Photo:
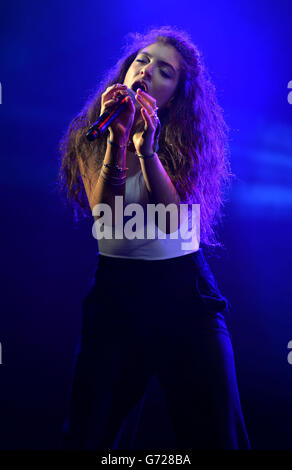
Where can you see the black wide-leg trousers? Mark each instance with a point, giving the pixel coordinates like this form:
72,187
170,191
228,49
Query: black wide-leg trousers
163,317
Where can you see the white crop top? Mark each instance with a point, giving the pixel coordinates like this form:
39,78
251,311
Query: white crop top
147,241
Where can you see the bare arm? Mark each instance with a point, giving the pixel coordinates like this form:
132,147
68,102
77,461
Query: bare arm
98,189
103,185
158,183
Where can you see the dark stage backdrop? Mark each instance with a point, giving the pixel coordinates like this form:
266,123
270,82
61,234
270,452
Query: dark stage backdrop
53,54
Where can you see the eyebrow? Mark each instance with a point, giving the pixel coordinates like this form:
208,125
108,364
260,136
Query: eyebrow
162,62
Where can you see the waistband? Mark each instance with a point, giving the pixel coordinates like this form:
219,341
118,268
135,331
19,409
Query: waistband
197,258
115,261
165,273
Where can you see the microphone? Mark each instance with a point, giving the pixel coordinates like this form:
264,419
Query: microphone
109,115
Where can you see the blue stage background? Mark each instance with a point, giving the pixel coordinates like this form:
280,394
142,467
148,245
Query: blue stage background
52,55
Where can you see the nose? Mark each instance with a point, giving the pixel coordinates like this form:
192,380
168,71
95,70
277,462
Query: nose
147,70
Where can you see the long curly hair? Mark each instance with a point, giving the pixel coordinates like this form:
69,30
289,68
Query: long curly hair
193,143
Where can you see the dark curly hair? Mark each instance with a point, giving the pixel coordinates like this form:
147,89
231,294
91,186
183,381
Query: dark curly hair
193,143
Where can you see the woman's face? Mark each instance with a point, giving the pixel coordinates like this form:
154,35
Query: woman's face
157,67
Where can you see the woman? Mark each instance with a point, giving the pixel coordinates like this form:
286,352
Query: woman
154,306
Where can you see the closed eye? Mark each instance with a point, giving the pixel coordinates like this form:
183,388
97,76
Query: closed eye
164,74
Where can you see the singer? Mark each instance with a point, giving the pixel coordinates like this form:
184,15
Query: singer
153,308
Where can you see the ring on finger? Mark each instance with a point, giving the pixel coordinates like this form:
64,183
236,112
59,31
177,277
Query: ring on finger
154,115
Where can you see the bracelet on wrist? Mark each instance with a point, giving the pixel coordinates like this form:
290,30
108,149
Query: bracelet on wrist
115,167
110,177
114,144
113,180
145,157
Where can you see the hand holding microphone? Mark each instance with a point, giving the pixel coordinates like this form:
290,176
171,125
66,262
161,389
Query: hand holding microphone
117,112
